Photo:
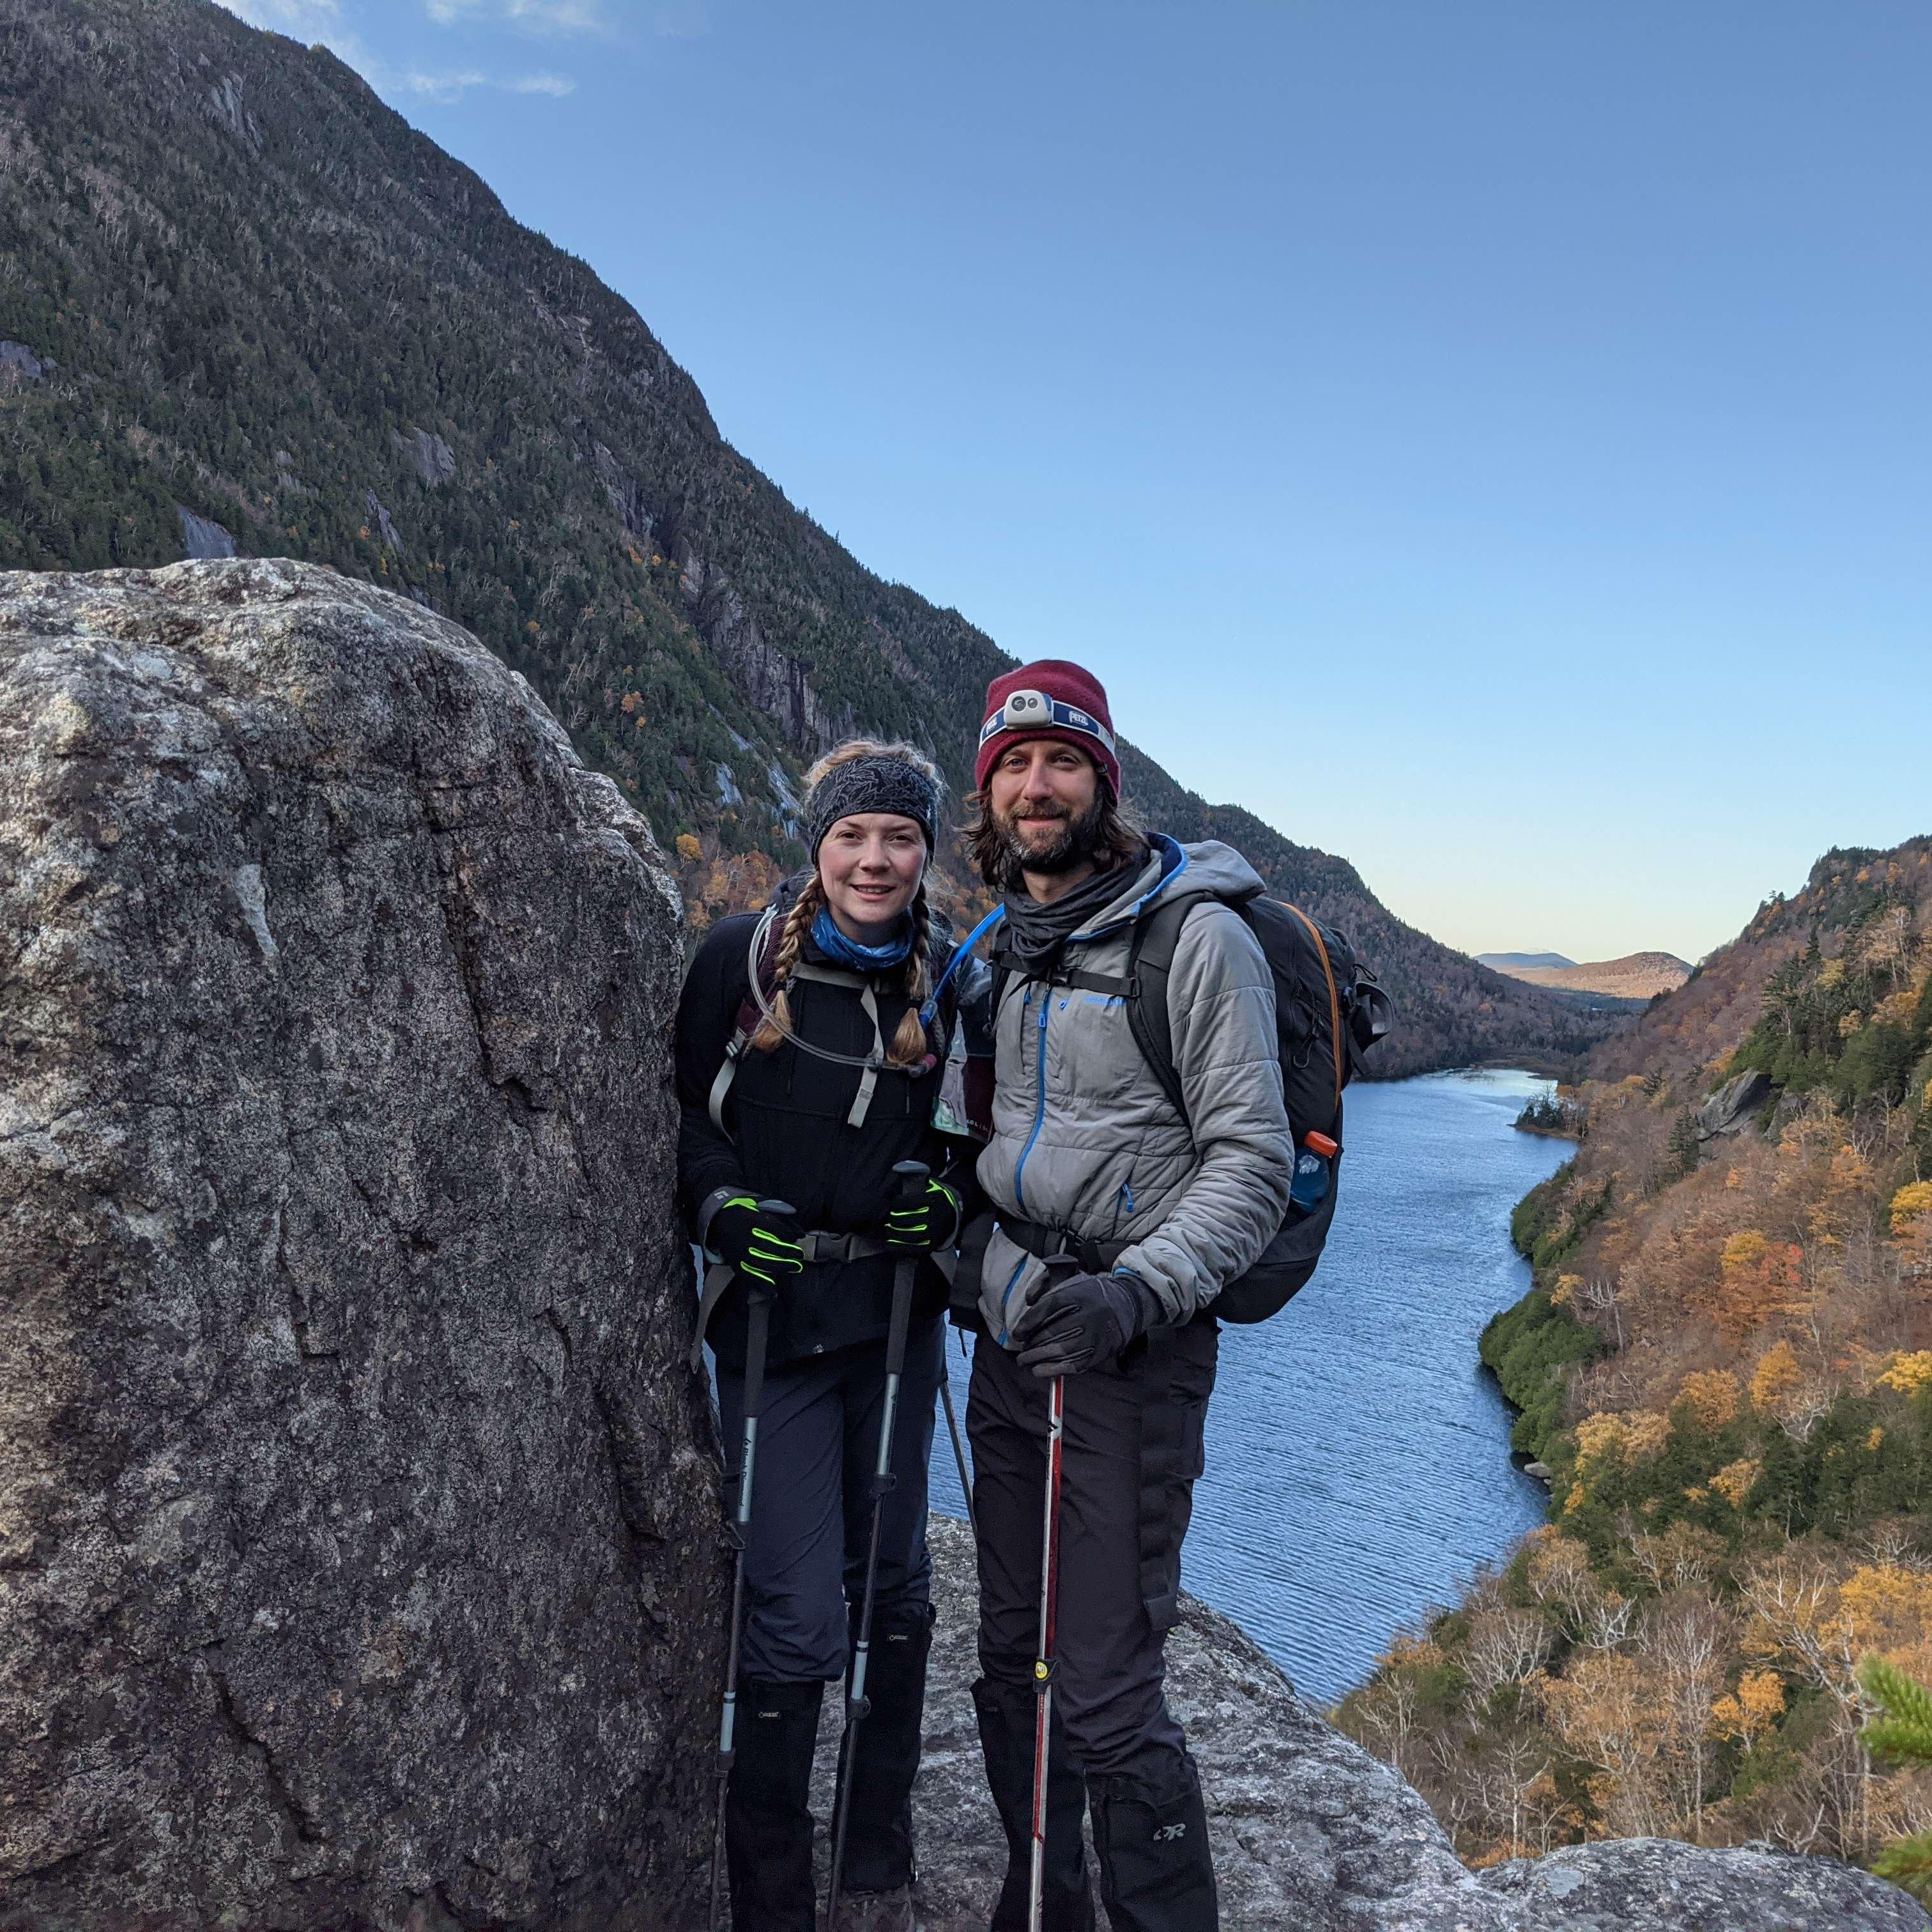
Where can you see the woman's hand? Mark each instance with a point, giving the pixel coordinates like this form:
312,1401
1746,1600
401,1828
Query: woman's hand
927,1217
764,1245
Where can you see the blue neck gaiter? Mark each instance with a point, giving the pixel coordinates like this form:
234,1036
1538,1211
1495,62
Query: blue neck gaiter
843,952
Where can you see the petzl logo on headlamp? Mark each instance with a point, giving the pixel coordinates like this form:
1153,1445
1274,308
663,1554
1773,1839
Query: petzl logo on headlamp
1034,711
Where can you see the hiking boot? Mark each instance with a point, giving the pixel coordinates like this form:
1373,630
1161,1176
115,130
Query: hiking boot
1156,1872
877,1911
768,1808
1007,1715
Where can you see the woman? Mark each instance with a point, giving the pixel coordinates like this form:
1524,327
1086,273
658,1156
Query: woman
806,1069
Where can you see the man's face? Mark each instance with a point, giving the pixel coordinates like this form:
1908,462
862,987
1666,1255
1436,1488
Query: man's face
1044,796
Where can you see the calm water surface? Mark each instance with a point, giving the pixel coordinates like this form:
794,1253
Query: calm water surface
1358,1453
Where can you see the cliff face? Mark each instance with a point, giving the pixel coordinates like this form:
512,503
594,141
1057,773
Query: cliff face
251,309
358,1529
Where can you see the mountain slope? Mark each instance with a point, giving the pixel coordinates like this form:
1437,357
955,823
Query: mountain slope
251,305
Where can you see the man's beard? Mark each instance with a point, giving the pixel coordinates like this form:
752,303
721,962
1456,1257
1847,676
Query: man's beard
1078,837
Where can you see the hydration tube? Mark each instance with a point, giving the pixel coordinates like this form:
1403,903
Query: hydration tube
965,946
875,1061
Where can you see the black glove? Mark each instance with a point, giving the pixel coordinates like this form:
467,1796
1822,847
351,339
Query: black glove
765,1246
1081,1320
926,1218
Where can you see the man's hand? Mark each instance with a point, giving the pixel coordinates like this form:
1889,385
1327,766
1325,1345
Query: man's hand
1081,1320
765,1246
927,1217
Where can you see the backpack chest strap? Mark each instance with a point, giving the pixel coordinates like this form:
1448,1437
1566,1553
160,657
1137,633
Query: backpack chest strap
749,1019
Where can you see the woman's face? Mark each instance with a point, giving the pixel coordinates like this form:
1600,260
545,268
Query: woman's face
870,865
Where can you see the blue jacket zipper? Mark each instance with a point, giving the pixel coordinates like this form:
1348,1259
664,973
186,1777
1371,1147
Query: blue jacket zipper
1039,1107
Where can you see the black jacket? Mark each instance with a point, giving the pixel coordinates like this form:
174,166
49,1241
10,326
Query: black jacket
788,1136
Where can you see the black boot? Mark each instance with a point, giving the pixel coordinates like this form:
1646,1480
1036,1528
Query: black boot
1156,1872
768,1808
878,1838
1008,1713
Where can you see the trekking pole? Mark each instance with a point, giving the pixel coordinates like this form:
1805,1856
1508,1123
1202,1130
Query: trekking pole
959,1443
910,1173
755,1343
1049,1610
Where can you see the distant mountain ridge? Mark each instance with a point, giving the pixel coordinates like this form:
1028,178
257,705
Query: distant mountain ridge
252,307
1509,962
1637,975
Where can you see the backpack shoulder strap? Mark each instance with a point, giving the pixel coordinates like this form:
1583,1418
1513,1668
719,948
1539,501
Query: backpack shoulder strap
762,959
1335,1034
1150,962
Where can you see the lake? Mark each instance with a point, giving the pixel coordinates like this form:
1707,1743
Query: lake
1358,1462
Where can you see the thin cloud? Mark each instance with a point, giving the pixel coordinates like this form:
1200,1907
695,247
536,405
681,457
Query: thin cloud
446,88
297,18
682,20
534,16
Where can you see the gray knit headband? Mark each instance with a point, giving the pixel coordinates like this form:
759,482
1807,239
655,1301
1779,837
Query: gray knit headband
871,785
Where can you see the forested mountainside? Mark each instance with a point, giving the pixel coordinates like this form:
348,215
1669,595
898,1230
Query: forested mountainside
1726,1367
244,304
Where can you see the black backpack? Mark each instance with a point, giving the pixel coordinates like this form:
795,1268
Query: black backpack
1329,1010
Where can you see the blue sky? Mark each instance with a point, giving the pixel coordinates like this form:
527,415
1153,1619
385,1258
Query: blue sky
1491,441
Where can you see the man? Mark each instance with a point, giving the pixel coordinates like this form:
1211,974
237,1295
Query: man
1089,1157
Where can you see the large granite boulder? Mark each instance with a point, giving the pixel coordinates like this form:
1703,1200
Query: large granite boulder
358,1550
1312,1835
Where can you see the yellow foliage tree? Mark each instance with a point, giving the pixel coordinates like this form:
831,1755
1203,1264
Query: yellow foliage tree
1736,1480
1714,1397
1908,1373
1749,1712
689,849
1909,1205
1776,1376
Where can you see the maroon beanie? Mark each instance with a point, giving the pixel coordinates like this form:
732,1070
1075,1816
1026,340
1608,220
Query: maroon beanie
1051,699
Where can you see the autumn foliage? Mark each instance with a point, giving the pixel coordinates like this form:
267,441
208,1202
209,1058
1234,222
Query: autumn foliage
1726,1365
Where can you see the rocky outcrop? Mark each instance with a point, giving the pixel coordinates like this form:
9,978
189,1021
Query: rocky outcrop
1734,1106
378,515
202,540
18,365
434,461
1312,1835
772,680
358,1558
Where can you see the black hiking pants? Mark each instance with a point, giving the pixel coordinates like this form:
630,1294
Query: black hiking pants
1132,1450
805,1578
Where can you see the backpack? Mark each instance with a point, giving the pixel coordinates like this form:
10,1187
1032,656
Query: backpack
1330,1009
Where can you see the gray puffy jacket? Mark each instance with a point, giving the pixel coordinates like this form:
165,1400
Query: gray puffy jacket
1084,1139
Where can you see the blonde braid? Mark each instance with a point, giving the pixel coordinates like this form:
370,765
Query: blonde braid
909,1044
798,923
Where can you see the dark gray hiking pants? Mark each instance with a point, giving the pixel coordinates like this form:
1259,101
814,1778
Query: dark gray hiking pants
812,1506
1132,1451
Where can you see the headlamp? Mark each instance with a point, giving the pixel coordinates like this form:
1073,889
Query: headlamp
1035,711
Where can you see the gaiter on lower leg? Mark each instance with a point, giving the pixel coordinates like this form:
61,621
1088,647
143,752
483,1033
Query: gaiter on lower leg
1007,1715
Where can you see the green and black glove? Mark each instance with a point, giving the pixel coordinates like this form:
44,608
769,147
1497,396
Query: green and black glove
765,1246
927,1217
